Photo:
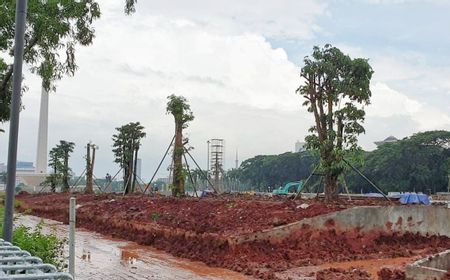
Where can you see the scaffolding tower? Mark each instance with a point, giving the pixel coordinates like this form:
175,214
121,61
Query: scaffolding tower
217,162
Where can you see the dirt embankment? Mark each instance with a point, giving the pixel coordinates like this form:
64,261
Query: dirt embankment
198,229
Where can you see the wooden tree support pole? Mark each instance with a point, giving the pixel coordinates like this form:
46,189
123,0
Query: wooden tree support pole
159,165
367,179
307,180
203,173
190,175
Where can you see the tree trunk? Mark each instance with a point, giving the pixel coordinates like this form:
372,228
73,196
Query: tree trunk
129,178
53,182
134,169
178,177
89,185
66,173
331,188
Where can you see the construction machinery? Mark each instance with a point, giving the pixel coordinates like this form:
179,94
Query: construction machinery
290,188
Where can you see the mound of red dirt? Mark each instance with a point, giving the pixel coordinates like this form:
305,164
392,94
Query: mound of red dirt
343,274
198,229
391,274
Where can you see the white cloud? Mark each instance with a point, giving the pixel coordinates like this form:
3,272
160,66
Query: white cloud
387,102
279,19
240,87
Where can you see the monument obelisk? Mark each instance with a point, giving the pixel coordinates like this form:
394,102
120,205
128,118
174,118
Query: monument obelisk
41,155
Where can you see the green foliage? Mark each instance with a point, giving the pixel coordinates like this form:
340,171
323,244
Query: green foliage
275,170
336,89
54,29
180,109
126,143
417,163
155,216
59,162
48,247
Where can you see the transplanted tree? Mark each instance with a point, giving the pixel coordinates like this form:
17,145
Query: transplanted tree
55,163
336,89
127,142
59,162
181,111
65,149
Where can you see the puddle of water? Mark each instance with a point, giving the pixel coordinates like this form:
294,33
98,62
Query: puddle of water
100,257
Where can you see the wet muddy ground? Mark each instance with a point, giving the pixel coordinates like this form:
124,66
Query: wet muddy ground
198,229
99,257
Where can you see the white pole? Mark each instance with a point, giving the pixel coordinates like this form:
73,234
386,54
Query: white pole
72,220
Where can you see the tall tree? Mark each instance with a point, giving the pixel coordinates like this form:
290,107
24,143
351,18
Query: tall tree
336,88
66,148
126,143
56,165
53,28
181,111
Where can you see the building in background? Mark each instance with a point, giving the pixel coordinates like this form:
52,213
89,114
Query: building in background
25,167
299,147
139,167
390,139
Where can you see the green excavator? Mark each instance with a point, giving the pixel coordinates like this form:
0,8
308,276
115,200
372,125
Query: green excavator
290,188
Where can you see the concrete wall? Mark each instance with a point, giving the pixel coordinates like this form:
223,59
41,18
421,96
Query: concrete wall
408,218
429,268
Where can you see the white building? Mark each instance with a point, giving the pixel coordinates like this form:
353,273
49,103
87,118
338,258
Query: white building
390,139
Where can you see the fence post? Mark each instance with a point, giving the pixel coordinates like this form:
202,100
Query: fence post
72,220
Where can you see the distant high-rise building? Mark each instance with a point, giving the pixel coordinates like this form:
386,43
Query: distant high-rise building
139,167
299,146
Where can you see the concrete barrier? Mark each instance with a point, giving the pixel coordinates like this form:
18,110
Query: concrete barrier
433,220
429,268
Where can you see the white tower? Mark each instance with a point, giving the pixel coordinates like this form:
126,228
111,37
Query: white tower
41,156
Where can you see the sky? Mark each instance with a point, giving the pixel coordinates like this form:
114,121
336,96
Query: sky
238,63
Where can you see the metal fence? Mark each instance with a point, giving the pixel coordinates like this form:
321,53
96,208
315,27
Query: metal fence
16,263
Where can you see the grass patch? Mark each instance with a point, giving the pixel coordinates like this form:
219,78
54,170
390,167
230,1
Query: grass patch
48,247
155,216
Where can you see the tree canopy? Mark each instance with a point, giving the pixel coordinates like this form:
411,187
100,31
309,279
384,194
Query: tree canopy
126,143
418,163
335,89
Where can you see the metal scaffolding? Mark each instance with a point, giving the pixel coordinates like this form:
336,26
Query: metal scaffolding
217,162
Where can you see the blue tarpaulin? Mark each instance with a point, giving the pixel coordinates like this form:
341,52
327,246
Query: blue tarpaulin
414,198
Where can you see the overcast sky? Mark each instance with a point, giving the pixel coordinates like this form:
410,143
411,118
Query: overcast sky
238,62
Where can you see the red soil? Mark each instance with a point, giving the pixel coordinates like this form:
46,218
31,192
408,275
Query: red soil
342,274
391,274
198,229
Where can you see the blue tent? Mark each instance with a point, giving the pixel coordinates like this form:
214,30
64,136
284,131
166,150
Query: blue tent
414,198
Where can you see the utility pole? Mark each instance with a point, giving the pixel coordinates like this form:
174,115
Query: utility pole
21,15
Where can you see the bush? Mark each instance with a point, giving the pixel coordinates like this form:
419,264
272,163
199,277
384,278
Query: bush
46,246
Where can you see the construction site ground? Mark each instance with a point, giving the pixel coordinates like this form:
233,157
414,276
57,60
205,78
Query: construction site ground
199,229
